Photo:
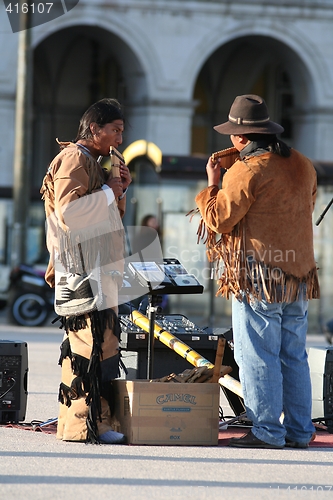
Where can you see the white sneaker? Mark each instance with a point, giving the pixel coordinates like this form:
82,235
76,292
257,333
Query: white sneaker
112,437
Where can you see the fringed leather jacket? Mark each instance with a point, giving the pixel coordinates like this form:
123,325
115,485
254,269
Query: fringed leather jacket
74,218
263,214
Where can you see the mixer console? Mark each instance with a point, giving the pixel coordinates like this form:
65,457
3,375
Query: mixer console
134,337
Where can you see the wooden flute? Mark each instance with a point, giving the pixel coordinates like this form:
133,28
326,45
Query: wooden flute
115,156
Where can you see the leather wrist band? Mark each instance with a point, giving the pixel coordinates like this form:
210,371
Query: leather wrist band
122,196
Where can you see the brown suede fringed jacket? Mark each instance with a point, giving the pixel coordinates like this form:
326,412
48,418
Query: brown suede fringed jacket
263,213
74,217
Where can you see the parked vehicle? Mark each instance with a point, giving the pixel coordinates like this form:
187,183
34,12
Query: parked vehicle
30,299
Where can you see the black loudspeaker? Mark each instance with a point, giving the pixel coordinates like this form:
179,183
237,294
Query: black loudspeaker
321,371
13,380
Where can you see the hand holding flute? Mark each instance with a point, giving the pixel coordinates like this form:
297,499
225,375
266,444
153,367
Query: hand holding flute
220,159
120,176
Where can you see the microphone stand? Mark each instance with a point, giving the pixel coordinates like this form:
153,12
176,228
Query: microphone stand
320,218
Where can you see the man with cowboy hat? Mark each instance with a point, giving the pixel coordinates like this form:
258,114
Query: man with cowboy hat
263,214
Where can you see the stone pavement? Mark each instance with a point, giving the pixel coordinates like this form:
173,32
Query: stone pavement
34,465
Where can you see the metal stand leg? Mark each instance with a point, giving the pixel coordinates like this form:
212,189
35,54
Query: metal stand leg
152,309
152,316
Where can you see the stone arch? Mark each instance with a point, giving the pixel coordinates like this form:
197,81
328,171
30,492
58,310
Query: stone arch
235,66
133,45
255,64
293,40
74,67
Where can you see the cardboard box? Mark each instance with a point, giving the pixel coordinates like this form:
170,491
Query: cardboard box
158,413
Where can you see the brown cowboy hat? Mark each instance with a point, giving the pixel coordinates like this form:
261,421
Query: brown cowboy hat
248,115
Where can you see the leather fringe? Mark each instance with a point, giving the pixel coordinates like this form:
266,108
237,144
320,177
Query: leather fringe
64,395
76,389
103,242
65,351
88,381
238,276
100,320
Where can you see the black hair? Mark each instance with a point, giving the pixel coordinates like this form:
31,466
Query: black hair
102,112
145,219
274,145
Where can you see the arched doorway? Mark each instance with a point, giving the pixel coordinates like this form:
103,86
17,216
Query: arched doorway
250,64
73,68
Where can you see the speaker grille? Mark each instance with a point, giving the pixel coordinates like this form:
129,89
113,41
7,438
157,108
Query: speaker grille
13,380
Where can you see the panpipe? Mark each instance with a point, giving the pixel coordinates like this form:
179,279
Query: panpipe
227,156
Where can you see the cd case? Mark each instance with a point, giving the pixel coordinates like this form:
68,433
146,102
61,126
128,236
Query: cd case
148,272
173,274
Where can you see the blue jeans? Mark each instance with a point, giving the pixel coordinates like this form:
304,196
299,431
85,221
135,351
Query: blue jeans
269,348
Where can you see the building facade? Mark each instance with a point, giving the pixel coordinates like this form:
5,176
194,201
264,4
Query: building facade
176,66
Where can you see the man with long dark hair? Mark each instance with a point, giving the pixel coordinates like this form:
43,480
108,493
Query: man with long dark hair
263,213
84,204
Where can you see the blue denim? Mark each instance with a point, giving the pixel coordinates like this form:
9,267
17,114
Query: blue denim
329,325
269,348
